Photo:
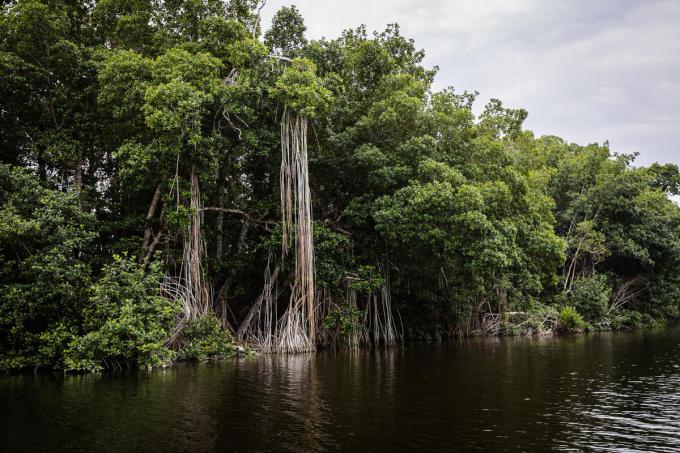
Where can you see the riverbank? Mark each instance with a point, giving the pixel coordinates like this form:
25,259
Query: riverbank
206,342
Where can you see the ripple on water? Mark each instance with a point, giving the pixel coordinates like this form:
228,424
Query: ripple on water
600,392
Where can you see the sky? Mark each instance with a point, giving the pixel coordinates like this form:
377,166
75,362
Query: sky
585,70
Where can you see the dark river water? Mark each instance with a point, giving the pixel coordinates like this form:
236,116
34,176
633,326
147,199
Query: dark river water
608,392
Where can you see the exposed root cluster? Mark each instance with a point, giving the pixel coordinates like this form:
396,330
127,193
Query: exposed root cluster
297,327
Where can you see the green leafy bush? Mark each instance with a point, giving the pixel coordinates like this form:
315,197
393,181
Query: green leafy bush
343,319
126,322
627,319
204,339
570,321
45,269
590,296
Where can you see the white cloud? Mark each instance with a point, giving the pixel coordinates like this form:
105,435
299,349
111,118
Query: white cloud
585,70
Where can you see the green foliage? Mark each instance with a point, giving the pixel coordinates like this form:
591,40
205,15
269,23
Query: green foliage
124,78
204,339
343,320
367,280
126,320
590,297
627,319
333,258
287,33
468,214
570,321
300,89
45,270
184,85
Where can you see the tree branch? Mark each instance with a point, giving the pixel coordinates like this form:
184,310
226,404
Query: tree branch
249,217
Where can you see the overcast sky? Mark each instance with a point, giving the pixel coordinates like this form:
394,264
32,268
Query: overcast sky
586,70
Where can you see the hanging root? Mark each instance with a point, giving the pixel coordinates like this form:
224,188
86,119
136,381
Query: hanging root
297,327
296,330
324,306
293,334
175,289
378,324
189,288
390,335
260,327
194,251
379,317
360,334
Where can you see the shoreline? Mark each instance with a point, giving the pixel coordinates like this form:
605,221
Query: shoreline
245,352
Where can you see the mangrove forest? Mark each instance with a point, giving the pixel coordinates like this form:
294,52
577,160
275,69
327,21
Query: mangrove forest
179,183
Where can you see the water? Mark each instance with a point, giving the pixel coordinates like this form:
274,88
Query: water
598,392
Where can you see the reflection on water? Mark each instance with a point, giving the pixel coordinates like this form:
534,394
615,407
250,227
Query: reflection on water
596,392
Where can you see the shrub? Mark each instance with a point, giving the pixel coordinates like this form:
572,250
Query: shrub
203,339
627,319
590,296
343,319
45,269
570,321
126,322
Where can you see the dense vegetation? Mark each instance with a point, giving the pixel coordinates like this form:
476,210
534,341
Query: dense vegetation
157,163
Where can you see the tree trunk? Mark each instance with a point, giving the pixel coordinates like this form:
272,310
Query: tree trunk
221,300
42,171
79,172
219,248
502,303
148,234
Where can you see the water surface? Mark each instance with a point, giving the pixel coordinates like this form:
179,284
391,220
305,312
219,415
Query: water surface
597,392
